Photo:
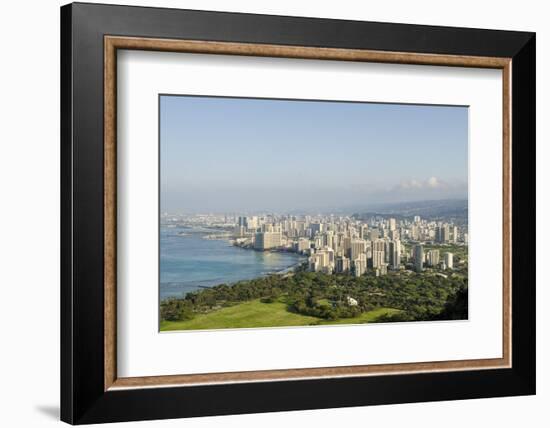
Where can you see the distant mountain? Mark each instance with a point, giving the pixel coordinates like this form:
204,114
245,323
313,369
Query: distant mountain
432,210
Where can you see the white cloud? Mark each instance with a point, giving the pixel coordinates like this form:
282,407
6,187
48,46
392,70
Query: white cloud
429,183
435,183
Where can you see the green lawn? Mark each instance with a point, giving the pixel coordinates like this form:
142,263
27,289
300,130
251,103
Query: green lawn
257,314
365,317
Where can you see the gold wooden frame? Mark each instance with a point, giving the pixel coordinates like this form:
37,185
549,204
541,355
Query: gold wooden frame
113,43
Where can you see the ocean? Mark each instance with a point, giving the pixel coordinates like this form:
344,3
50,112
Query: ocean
188,262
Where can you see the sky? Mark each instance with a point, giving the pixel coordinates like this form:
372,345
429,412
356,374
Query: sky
250,155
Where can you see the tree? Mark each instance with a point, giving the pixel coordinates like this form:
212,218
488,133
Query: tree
456,307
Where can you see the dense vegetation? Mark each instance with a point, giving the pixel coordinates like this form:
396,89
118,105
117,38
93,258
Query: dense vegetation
426,296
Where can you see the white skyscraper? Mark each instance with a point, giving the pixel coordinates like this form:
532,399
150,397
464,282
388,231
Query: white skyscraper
415,232
303,245
243,221
442,234
373,234
320,262
377,258
342,264
267,240
378,253
360,264
379,245
395,254
358,246
394,235
448,260
419,258
433,258
363,231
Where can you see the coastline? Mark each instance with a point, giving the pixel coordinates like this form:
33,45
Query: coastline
282,272
212,259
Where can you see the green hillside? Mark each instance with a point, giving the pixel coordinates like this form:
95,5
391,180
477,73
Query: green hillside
254,314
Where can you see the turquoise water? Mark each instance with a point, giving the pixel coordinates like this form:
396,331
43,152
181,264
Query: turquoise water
190,262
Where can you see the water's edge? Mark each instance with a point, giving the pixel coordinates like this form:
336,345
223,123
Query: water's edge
188,262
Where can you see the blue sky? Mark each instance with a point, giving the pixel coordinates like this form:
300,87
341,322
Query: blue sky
250,155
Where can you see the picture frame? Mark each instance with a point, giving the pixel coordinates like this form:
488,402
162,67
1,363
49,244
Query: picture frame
91,390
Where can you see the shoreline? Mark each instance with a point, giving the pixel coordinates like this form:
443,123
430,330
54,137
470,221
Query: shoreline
285,271
289,269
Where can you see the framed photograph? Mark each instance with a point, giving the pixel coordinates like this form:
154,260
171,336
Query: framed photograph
266,213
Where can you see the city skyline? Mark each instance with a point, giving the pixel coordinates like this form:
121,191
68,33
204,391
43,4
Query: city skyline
254,155
340,244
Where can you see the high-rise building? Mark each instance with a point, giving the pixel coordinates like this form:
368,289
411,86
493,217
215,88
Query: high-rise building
314,263
334,243
378,258
303,245
379,245
446,236
252,222
415,232
455,234
243,221
387,251
382,270
419,258
316,228
239,231
373,234
301,228
433,258
320,261
328,238
318,242
358,246
342,264
392,224
378,252
448,258
360,265
368,250
267,240
442,234
395,254
363,229
331,258
346,244
394,234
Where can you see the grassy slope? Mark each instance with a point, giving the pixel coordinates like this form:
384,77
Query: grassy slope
365,317
257,314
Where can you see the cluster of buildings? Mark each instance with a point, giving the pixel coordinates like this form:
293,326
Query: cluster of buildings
336,244
431,258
